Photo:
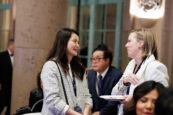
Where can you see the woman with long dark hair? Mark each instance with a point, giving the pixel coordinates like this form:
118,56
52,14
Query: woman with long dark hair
144,97
63,75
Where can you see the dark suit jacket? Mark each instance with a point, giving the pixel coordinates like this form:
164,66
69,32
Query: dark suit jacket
5,77
111,78
35,95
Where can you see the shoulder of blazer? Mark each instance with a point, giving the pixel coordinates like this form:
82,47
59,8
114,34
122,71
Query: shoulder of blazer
156,64
4,54
115,71
5,58
91,73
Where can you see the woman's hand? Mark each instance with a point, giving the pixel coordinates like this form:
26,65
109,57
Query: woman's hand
87,109
96,113
72,112
127,99
131,78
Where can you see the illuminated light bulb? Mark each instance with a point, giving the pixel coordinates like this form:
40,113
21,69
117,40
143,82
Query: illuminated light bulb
147,9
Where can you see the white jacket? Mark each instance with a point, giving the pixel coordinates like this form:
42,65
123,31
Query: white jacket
151,69
54,102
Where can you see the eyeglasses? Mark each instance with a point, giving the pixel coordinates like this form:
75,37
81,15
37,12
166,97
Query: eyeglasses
96,59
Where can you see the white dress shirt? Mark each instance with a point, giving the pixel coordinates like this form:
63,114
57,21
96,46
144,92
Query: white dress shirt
103,75
11,56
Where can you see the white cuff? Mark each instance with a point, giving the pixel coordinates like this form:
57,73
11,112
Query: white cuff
65,109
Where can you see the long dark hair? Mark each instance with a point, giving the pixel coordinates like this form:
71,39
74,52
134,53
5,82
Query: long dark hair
139,92
164,103
39,80
58,53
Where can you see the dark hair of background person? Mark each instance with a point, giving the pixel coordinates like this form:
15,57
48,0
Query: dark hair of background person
164,103
36,96
106,52
58,52
139,92
10,41
39,80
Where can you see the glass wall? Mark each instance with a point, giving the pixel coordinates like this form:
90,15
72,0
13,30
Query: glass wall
99,22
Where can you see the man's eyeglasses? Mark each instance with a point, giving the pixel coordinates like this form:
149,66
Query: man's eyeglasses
96,59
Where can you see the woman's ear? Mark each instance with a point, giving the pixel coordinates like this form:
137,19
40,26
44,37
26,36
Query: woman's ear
141,43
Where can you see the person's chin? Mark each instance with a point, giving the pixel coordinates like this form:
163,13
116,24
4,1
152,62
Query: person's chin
94,68
148,113
75,54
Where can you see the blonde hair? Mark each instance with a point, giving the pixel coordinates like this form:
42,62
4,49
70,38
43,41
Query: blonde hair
150,46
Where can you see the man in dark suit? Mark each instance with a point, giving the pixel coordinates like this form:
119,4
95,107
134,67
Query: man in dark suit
101,80
6,62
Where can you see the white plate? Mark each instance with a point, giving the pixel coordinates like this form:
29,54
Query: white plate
113,97
32,113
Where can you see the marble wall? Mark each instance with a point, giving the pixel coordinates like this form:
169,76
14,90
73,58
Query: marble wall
37,22
167,39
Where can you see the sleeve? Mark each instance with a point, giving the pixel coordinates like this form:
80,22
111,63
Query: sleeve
158,72
119,88
88,99
51,89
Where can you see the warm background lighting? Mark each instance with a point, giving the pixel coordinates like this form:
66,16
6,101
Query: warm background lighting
150,9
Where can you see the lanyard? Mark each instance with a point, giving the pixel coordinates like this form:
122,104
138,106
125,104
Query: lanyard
137,68
74,84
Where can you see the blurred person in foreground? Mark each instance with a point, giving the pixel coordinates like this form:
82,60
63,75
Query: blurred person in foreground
6,69
36,95
101,79
144,98
164,103
144,66
64,80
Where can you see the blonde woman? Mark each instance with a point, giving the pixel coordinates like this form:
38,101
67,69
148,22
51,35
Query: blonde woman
144,66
